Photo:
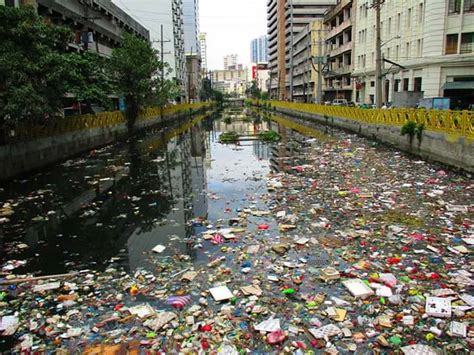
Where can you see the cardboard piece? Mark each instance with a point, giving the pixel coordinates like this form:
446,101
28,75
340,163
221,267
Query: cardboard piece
252,290
159,248
142,311
160,320
47,287
327,331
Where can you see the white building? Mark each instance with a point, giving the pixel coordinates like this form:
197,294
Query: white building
168,13
230,61
432,41
203,50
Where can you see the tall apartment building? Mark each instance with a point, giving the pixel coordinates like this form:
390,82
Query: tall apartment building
100,35
431,42
191,26
308,47
259,50
203,51
232,81
338,24
230,61
285,20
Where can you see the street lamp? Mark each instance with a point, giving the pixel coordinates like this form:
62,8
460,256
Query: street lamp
390,40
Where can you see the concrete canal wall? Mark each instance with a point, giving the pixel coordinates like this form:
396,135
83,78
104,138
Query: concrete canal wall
453,150
23,157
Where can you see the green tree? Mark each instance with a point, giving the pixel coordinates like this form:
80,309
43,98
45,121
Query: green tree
33,67
134,71
88,79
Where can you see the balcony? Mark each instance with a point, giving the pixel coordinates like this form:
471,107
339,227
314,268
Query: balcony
335,51
339,29
337,9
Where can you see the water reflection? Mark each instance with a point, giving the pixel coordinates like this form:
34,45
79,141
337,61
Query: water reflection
120,202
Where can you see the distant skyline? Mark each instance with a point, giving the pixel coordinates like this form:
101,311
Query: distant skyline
230,25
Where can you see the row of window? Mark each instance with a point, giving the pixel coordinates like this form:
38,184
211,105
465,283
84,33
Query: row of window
455,6
394,53
363,13
467,43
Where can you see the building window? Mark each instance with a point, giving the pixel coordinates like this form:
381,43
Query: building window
406,83
454,6
452,44
418,48
468,5
420,14
409,18
467,40
417,84
389,26
398,22
372,84
408,50
388,53
397,52
397,85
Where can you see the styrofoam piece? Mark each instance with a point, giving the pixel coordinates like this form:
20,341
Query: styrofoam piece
358,288
46,287
327,331
269,325
438,307
159,248
458,329
419,349
221,293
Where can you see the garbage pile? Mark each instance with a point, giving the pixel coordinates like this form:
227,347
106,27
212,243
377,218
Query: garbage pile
351,247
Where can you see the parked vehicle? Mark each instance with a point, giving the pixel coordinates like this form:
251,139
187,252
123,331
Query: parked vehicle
339,102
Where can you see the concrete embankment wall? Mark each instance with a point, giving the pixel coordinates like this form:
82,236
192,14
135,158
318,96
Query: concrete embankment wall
451,150
21,158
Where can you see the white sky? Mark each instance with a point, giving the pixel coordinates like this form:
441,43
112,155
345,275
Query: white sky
230,25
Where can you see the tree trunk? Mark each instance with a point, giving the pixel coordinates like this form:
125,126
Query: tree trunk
131,112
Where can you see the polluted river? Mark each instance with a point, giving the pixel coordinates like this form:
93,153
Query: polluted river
301,240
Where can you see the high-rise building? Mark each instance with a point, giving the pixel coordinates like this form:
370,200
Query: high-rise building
203,50
191,26
169,14
230,61
259,50
338,24
285,19
427,51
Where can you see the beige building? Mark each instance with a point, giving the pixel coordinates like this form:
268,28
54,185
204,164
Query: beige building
285,20
338,24
308,49
232,82
432,41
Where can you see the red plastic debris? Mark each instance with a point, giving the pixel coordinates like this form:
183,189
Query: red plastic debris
276,337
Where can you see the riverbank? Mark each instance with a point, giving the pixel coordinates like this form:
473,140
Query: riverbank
28,155
323,242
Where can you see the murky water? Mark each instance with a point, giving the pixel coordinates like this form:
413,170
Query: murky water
116,203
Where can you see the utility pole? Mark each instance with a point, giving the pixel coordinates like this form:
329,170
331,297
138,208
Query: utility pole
377,4
291,51
320,69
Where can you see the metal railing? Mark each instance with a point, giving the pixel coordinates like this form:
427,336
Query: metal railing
54,127
460,123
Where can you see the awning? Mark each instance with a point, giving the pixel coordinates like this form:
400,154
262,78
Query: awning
459,85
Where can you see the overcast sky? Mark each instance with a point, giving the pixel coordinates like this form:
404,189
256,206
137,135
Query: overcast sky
230,24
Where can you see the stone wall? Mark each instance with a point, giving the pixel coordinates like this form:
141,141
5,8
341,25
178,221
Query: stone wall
454,151
21,158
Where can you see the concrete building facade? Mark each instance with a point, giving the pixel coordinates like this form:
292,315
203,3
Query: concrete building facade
285,20
230,61
203,51
232,82
308,47
338,23
98,24
259,50
431,42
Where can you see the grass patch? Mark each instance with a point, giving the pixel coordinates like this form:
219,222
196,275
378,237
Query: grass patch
269,136
229,137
